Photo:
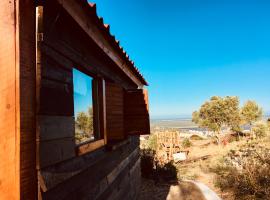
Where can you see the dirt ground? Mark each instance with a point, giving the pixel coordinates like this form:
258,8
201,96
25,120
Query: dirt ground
200,170
170,191
197,170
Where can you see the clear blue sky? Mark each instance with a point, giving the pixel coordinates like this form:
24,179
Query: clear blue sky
82,91
191,50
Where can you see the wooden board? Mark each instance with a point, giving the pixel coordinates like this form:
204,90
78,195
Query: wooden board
56,98
27,57
136,112
114,111
9,119
55,127
55,151
91,146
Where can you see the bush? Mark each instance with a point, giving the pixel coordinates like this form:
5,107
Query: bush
195,137
260,129
249,177
166,172
147,163
186,143
152,170
152,142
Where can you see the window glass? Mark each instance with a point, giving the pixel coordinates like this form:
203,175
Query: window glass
83,107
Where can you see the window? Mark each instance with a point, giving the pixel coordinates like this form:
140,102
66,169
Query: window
83,107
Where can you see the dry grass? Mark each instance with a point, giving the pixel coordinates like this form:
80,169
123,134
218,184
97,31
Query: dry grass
202,170
207,170
249,177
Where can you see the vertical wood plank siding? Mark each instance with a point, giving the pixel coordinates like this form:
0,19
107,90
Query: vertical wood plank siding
114,111
137,119
27,50
9,170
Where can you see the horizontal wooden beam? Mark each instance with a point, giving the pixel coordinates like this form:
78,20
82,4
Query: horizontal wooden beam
91,146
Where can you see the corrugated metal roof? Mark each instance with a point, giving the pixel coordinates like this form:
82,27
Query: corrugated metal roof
116,43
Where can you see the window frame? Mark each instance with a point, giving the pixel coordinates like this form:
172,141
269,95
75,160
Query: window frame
99,116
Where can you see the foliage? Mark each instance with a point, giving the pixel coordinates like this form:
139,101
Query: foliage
151,169
186,143
195,137
250,178
260,129
84,123
251,112
218,112
147,163
152,142
166,172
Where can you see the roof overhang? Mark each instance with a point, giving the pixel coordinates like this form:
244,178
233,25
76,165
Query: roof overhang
85,15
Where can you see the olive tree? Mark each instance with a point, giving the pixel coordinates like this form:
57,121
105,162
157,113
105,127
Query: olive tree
84,123
218,112
251,112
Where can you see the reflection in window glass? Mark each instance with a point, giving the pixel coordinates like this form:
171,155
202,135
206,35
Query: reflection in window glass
83,107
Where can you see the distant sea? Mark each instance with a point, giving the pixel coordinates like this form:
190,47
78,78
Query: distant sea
181,122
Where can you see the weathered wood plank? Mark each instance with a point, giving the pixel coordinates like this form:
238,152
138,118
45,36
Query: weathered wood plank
55,127
52,70
82,184
9,137
91,146
55,151
136,112
56,98
115,111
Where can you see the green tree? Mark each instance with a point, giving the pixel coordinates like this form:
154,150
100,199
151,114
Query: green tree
260,129
196,117
251,112
217,113
84,123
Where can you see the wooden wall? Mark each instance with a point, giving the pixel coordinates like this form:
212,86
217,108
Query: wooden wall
37,110
64,46
55,114
101,174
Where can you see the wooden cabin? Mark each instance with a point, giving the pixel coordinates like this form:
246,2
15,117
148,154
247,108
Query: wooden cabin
44,47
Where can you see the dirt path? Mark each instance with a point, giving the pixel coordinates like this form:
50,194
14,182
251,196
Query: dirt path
185,190
207,192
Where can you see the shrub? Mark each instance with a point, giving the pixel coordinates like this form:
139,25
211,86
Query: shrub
249,178
186,143
195,137
166,172
147,163
260,129
152,170
152,142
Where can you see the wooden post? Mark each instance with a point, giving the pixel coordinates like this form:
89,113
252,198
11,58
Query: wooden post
9,103
39,39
